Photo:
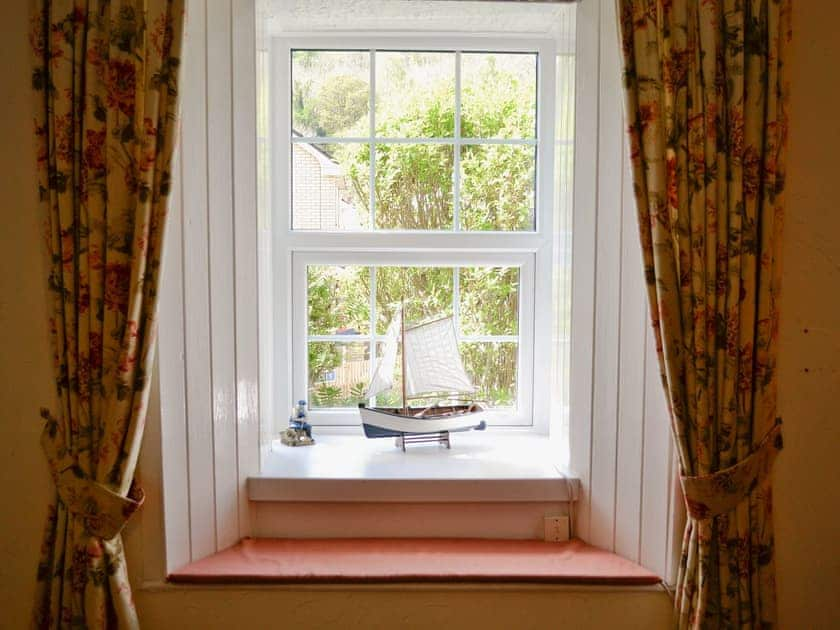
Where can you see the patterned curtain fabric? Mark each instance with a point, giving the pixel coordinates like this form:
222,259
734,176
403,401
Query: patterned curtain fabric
105,79
707,114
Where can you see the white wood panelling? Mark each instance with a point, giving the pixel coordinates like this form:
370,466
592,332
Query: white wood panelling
620,438
246,247
197,339
222,302
608,262
631,400
656,468
584,215
208,343
173,401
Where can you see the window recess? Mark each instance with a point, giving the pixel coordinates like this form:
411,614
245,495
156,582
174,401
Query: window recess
216,424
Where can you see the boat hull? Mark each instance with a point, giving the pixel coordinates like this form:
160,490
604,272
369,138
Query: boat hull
379,423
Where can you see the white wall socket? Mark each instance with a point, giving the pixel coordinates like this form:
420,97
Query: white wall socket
556,528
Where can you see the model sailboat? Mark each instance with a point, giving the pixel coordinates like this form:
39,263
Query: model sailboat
431,366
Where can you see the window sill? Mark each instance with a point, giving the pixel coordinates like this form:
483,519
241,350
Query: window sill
412,560
479,467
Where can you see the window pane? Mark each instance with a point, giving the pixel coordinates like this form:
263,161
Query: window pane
330,184
330,93
339,302
393,397
427,292
492,367
497,187
498,95
414,186
415,94
338,373
489,300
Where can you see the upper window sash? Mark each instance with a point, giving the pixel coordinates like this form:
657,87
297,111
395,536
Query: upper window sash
281,138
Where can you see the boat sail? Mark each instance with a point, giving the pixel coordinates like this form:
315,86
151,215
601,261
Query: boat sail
432,360
431,366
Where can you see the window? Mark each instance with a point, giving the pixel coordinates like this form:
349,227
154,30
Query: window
416,171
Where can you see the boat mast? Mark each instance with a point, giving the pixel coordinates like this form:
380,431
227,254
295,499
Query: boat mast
402,333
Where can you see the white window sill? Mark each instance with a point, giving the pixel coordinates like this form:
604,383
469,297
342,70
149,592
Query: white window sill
480,467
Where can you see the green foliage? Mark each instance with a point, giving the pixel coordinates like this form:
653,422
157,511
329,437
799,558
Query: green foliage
497,189
492,367
413,186
414,181
335,107
323,357
489,300
338,299
426,291
323,395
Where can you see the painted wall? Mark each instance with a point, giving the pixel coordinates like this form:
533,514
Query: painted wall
807,505
807,495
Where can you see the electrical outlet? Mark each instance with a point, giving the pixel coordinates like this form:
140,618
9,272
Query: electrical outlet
556,528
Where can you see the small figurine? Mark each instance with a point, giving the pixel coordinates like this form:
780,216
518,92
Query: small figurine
299,432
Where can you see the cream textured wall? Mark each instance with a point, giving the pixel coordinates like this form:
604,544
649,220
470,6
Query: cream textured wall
24,345
807,493
807,508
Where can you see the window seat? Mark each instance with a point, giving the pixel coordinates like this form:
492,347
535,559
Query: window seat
440,560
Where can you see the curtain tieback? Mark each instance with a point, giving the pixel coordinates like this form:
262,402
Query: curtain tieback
103,511
707,496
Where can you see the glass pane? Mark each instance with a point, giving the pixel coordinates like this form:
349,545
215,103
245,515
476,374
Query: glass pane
414,186
489,300
497,187
338,300
393,396
338,373
492,367
498,95
330,184
331,93
415,94
427,292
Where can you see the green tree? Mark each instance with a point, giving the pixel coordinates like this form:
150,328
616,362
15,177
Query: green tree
335,107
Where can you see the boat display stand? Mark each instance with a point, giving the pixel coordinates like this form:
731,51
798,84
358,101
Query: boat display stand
441,437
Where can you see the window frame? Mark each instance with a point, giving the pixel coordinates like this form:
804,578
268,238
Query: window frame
532,249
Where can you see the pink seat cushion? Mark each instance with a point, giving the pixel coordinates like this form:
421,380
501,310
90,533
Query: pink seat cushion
354,560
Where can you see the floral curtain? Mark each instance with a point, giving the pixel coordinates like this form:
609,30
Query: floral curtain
105,79
707,97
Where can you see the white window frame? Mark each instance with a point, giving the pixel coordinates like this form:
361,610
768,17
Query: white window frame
530,250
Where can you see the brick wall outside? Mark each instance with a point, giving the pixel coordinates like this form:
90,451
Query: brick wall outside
316,197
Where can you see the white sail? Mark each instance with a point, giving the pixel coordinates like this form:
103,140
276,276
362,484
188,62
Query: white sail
432,360
383,375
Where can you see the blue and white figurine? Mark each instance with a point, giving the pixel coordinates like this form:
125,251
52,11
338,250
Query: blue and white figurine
299,432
